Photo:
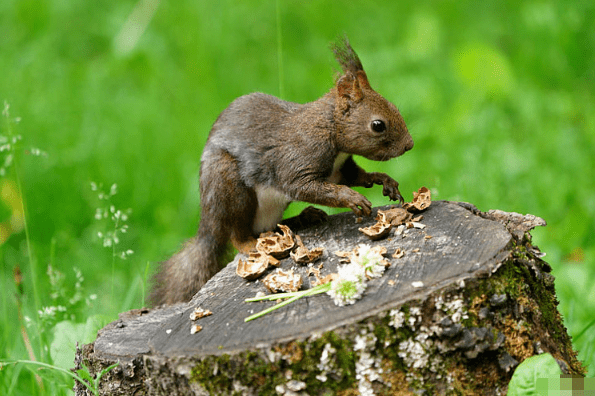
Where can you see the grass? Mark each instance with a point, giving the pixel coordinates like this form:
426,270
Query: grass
499,98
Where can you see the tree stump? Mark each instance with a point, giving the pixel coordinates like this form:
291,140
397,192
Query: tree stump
470,300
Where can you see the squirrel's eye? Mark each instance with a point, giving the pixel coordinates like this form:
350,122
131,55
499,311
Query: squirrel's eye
378,126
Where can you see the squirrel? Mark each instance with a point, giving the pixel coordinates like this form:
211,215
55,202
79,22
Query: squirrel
263,153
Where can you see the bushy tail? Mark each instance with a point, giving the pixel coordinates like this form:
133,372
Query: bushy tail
180,277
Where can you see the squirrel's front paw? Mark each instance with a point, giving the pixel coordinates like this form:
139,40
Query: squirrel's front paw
390,187
359,204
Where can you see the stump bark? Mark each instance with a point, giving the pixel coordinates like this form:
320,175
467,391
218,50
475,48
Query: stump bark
470,299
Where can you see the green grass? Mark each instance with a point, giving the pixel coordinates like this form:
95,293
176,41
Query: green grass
499,98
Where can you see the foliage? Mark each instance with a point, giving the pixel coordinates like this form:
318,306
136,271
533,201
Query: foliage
82,375
532,376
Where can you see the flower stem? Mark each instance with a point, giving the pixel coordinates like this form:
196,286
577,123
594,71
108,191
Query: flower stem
278,296
291,297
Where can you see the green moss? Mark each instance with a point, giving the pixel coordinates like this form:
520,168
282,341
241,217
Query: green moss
250,369
344,359
538,290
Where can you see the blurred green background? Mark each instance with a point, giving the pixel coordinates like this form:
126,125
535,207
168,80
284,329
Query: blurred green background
498,96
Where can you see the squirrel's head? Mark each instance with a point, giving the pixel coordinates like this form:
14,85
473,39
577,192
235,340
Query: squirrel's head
368,124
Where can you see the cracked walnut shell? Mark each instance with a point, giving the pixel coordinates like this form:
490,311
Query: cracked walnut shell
302,255
421,200
255,266
378,230
275,244
284,281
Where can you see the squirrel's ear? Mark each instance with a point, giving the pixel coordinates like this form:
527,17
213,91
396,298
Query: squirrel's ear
363,80
349,87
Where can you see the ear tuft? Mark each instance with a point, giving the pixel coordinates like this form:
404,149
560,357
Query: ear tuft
354,78
346,56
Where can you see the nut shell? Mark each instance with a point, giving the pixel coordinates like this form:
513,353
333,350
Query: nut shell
283,281
421,201
255,266
276,245
377,231
394,216
302,255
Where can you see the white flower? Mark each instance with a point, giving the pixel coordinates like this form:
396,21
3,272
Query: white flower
352,270
370,260
47,312
349,285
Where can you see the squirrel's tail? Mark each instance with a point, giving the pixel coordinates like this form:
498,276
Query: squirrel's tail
180,277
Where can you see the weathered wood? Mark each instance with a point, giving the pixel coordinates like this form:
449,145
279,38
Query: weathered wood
485,302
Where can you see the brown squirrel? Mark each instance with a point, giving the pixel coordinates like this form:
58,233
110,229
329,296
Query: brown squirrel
263,153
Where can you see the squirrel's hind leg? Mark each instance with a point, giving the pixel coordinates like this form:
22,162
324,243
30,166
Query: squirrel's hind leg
228,205
308,217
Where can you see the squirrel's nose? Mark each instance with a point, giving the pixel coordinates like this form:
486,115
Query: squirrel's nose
409,143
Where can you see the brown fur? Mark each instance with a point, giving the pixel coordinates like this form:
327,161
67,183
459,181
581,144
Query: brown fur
263,152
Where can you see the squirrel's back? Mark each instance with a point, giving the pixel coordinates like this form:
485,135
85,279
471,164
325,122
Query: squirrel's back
260,131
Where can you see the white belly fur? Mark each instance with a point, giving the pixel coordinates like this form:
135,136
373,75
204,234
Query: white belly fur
339,161
271,205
